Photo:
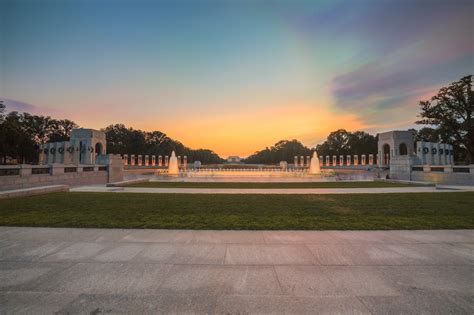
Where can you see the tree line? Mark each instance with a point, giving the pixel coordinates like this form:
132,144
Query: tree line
21,135
448,117
283,150
338,142
123,140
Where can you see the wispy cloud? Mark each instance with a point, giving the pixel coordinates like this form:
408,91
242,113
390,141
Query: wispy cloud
18,106
420,47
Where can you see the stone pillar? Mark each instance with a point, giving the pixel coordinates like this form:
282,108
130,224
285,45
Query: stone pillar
308,160
67,156
179,160
51,153
296,161
153,160
114,168
140,160
327,160
166,161
334,160
302,161
348,161
321,161
341,160
371,159
451,155
356,160
429,154
147,160
41,156
362,159
442,156
132,160
25,170
57,169
435,152
160,160
125,159
76,152
88,152
185,162
420,153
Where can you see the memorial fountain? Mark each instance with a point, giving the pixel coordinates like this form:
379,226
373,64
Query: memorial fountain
173,166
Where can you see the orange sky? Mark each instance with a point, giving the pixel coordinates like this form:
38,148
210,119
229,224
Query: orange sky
246,132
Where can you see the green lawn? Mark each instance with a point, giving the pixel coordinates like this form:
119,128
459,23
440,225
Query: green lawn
349,184
253,211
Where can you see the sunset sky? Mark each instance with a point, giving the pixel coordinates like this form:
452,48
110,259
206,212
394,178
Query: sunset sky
233,76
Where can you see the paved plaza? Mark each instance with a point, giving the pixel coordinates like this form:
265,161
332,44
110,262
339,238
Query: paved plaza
235,272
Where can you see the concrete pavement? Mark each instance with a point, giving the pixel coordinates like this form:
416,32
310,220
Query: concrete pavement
234,272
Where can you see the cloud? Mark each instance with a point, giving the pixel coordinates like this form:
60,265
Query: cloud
19,106
417,49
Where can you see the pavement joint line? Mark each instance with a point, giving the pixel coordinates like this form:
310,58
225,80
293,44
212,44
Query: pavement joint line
247,244
75,262
364,304
278,278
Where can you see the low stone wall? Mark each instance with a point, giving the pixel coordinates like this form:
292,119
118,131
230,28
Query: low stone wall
444,178
26,176
407,168
26,192
56,175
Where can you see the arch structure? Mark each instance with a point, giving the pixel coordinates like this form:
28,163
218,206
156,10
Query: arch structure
392,144
84,147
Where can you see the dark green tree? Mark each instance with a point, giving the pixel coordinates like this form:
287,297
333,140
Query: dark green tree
15,141
284,150
123,140
343,142
451,113
60,130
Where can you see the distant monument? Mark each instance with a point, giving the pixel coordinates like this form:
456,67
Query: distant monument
173,167
234,159
314,167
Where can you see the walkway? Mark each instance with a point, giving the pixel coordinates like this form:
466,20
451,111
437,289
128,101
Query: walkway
414,189
47,270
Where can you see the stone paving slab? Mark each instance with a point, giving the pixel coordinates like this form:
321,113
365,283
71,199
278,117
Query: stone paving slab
268,255
231,304
48,270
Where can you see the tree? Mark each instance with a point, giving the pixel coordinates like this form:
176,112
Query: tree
38,127
15,141
343,142
451,112
123,140
284,150
2,112
60,130
426,134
